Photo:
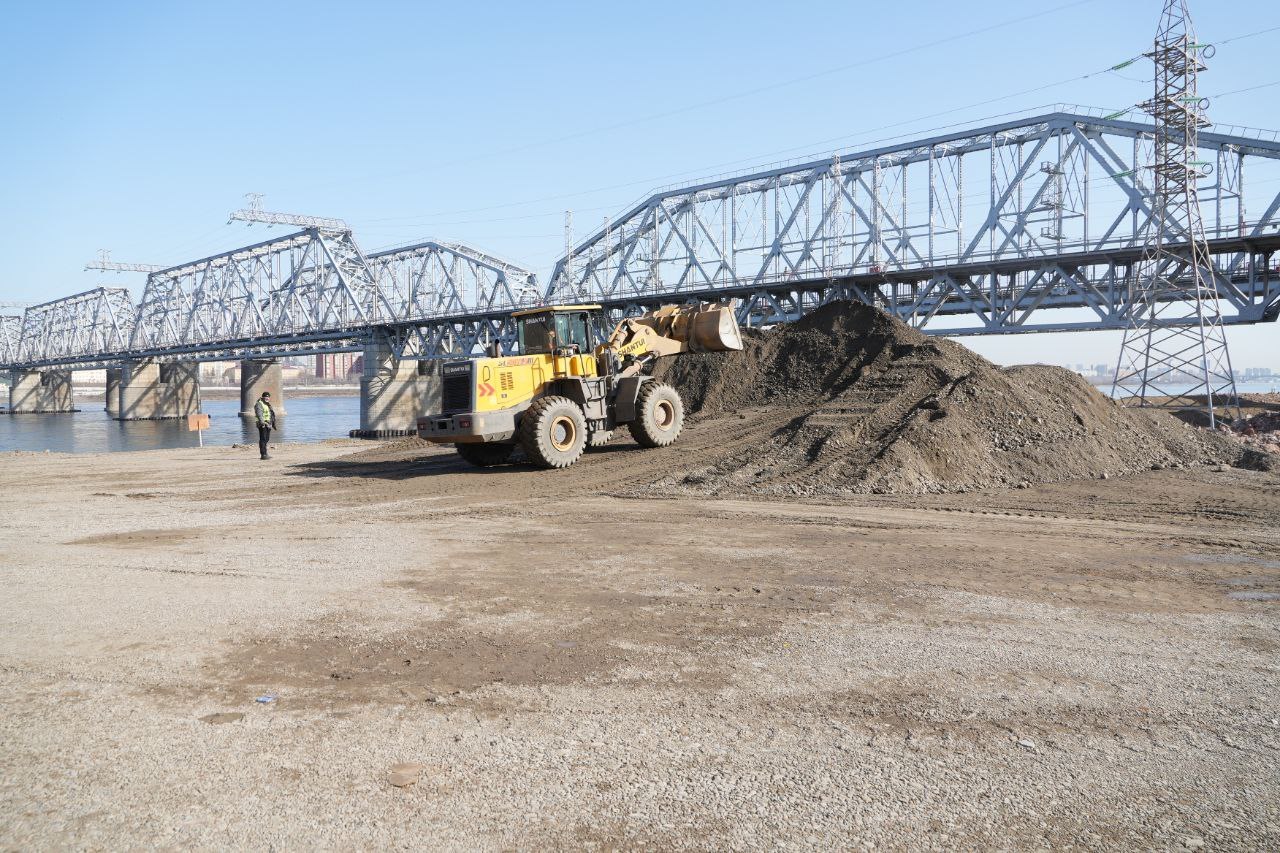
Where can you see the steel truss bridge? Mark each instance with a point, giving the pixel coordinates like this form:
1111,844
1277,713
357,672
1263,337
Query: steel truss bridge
1029,225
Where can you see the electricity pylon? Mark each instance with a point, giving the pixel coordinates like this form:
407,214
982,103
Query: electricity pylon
105,263
1175,333
253,212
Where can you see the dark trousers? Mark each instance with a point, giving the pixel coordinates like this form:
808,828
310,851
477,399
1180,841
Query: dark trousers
264,435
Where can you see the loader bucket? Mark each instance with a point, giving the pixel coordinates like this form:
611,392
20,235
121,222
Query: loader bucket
715,329
703,328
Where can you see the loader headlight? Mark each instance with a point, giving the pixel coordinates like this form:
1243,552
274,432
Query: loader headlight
465,423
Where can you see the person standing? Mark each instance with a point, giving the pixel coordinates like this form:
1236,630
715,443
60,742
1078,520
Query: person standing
266,422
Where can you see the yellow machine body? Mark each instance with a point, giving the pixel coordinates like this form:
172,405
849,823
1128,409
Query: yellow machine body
505,382
563,355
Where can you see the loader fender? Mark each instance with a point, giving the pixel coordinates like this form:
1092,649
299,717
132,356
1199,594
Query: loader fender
589,393
624,404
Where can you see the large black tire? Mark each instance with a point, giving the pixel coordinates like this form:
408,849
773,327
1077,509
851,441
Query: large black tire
553,432
486,455
659,415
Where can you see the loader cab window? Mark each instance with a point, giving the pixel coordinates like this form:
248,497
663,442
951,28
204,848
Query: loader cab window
541,332
535,334
577,332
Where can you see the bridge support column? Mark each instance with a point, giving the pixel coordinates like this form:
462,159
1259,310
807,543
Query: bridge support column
179,389
112,404
40,392
394,393
257,376
145,390
138,391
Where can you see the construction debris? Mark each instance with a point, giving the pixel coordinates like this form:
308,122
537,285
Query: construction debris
1260,431
851,400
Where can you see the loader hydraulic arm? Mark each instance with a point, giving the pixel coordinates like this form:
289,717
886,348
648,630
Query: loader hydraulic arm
634,345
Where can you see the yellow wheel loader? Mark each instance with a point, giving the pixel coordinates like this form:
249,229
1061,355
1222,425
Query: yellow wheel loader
566,391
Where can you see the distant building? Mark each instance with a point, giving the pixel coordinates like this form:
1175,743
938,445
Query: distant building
337,365
213,371
288,373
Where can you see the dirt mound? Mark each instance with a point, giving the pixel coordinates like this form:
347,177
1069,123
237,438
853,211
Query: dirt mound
868,404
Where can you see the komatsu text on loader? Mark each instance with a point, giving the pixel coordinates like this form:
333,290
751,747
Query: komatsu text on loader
565,391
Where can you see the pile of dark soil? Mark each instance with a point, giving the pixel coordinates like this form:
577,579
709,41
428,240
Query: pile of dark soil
851,399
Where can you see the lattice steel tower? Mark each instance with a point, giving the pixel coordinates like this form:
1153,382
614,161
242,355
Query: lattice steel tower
1175,332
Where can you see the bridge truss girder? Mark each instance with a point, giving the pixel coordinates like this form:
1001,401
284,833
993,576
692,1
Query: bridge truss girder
432,279
1009,298
10,336
98,320
314,282
1059,212
1022,296
1057,184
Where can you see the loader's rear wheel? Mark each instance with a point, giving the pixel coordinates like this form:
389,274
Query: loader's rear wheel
659,415
486,455
553,432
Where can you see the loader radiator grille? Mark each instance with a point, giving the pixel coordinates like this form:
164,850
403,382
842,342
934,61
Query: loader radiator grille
455,392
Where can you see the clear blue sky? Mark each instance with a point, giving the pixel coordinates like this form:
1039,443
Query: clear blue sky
139,126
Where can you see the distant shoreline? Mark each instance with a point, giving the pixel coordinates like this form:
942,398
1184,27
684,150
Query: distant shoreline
232,392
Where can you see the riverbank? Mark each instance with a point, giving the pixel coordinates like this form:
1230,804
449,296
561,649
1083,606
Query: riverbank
203,649
307,418
232,392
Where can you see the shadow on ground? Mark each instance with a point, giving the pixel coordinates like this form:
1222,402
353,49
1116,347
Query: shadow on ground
446,462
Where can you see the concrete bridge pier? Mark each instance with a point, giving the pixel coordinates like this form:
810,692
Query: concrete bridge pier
394,393
112,402
179,389
146,390
40,392
137,391
256,376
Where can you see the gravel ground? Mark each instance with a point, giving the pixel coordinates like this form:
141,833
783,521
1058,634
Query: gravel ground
1079,665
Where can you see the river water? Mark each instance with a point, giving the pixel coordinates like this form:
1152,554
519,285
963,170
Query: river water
91,431
308,419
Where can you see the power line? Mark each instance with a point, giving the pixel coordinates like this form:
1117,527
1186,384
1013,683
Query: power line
915,48
811,146
433,219
1249,89
1113,69
1245,36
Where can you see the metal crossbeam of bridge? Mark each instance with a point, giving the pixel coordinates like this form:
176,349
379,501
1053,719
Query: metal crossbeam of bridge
1011,225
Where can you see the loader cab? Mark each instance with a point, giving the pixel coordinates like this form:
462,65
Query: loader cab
563,330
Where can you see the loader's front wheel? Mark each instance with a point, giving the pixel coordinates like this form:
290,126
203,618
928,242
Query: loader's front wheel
486,455
553,432
659,415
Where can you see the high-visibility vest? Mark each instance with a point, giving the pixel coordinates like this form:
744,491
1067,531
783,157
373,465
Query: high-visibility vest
262,410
